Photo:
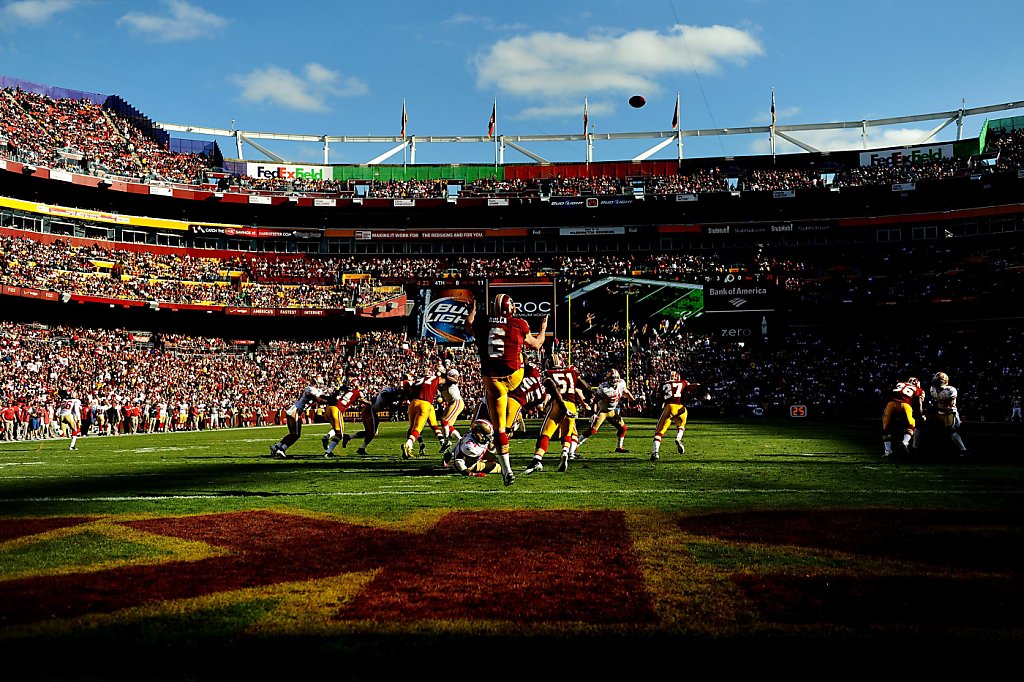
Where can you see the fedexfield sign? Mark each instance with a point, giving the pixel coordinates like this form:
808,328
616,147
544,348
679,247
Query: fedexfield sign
906,155
283,171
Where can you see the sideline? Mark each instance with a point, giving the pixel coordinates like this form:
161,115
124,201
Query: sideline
574,491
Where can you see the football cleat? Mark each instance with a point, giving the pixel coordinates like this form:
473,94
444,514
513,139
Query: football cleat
655,457
345,438
563,463
444,446
406,450
480,474
535,466
423,448
325,440
508,478
361,452
621,449
327,455
680,448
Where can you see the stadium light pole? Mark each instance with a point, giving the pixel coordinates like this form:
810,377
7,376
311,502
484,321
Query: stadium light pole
569,333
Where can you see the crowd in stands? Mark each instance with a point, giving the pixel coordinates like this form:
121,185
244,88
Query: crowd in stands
81,135
916,273
203,382
178,277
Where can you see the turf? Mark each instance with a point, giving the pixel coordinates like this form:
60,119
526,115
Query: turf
763,534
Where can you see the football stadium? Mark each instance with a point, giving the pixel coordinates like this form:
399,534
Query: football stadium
260,414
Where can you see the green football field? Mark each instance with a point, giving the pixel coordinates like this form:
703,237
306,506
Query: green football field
143,555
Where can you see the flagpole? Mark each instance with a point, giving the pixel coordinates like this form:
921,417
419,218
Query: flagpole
494,122
405,147
586,131
678,125
771,130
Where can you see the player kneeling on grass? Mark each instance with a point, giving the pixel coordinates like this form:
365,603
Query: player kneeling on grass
474,454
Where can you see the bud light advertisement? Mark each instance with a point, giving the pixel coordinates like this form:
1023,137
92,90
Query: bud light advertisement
445,312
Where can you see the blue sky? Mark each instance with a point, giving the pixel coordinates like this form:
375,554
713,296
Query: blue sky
344,68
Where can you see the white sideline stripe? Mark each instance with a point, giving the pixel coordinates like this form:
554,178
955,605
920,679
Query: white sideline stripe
520,491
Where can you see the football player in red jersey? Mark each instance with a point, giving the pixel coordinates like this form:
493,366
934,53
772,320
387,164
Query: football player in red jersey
421,394
673,411
500,339
564,385
338,401
898,418
529,394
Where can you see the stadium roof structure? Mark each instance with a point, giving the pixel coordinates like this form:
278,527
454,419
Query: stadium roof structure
407,144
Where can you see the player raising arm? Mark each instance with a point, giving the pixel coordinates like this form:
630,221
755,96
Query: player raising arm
500,339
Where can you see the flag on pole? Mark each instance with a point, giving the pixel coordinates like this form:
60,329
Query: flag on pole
773,107
675,118
494,118
405,118
586,121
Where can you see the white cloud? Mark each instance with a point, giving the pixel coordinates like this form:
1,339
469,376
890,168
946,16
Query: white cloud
184,22
555,65
564,109
843,139
307,92
33,11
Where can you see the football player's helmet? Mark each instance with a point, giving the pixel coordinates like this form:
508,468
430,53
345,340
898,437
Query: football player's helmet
914,381
940,379
482,432
673,376
453,375
613,375
503,305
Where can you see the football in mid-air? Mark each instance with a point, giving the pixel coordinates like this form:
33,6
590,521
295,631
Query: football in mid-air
637,101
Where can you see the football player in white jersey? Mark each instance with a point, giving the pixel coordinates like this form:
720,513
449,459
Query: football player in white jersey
474,454
610,393
946,418
70,412
309,397
451,396
386,400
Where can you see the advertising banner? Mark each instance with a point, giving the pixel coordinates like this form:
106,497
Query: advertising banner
907,155
533,300
283,171
445,311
